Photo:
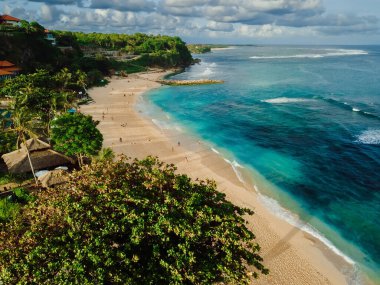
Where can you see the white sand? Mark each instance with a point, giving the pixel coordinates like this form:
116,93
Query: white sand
293,256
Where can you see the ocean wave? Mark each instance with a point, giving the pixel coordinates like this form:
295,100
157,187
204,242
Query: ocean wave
166,125
160,124
284,100
330,53
214,150
235,165
293,220
347,106
208,71
369,137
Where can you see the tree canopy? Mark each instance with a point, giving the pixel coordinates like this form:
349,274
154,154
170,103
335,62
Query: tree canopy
158,50
129,222
76,134
38,97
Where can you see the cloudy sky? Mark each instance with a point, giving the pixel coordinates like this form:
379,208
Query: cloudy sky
213,21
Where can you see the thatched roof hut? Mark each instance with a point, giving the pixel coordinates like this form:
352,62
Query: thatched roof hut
40,154
53,178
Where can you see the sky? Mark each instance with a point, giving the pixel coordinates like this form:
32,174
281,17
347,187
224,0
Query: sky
349,22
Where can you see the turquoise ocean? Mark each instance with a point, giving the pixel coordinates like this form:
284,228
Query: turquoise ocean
304,123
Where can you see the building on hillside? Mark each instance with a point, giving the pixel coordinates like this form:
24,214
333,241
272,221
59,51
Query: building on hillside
41,155
8,69
50,37
9,66
9,21
5,75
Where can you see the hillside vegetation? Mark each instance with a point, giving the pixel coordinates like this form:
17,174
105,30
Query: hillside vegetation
154,50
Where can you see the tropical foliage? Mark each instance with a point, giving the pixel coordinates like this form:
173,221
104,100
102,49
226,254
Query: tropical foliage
36,99
129,223
76,135
164,51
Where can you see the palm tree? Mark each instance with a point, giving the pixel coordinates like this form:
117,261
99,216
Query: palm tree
82,80
58,102
105,154
23,124
64,77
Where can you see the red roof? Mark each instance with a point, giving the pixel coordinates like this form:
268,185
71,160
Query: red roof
11,69
6,63
3,72
9,18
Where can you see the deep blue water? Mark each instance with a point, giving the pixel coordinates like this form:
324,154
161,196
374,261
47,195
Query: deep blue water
308,120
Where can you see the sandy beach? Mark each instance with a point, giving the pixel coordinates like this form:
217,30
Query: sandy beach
293,256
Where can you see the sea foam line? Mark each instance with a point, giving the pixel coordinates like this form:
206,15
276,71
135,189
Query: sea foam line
283,100
369,137
286,215
235,165
293,220
333,52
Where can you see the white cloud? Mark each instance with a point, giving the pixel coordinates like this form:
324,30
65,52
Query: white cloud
264,19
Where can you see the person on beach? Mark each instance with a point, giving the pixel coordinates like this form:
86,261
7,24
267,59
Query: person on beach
179,143
121,140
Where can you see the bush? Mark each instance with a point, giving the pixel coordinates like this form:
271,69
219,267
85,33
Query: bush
129,223
12,203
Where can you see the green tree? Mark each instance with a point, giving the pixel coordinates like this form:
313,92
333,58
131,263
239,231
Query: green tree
130,223
106,154
64,76
76,134
24,126
81,80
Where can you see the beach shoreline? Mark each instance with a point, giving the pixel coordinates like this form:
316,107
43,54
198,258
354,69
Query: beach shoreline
292,255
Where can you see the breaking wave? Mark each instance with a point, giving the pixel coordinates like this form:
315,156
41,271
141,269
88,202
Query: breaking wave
284,100
328,53
292,219
369,137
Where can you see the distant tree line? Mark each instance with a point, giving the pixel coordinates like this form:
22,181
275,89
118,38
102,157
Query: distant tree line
156,50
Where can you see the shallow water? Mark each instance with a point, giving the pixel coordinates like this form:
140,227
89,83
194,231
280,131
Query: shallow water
308,120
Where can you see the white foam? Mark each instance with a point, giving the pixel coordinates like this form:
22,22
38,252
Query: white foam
214,150
369,137
355,110
208,71
288,56
284,100
162,125
293,220
226,160
235,165
329,53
